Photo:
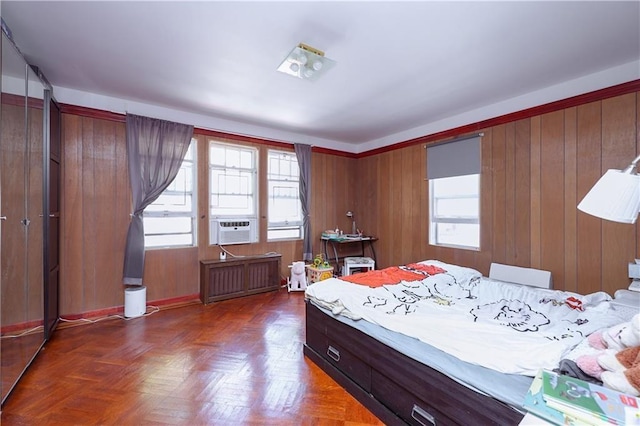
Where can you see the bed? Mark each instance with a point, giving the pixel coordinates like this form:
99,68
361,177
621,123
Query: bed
435,343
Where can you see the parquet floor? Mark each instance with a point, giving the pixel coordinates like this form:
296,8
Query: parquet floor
236,362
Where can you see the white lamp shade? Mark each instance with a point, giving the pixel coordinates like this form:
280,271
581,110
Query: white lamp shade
615,197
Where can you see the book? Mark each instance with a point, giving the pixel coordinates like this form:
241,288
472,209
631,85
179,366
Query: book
535,404
588,402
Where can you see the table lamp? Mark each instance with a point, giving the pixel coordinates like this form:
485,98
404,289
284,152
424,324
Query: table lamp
354,231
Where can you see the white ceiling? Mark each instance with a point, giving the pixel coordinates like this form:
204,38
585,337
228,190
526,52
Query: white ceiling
404,69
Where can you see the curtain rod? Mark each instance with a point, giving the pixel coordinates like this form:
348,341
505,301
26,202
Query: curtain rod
460,139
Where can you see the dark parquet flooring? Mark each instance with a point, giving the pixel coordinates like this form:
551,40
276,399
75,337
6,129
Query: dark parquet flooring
236,362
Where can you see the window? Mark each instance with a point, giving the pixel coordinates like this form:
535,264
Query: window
453,170
232,180
285,211
455,211
170,220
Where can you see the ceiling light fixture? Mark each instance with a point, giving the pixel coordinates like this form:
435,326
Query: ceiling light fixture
306,63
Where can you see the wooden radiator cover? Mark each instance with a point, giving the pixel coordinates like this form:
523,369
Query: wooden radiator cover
238,276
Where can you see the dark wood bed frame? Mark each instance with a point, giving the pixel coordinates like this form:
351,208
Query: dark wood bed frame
394,387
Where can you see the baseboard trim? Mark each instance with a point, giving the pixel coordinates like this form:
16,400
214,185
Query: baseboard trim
162,304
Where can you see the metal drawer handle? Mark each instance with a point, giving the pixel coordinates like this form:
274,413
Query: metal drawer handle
333,353
423,414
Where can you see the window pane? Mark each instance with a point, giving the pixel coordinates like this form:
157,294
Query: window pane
216,155
284,202
458,234
456,186
154,241
284,233
171,203
457,207
167,225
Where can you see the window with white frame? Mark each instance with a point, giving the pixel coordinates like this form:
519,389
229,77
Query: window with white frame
232,180
453,170
455,211
284,208
170,221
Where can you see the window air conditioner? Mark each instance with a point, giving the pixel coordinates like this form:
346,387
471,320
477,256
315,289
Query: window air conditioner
233,231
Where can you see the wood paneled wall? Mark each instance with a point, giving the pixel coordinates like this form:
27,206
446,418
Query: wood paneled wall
96,203
534,173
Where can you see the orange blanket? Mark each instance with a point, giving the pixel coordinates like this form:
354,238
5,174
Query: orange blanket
393,275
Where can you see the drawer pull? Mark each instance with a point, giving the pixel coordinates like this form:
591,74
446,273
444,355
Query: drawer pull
333,353
422,415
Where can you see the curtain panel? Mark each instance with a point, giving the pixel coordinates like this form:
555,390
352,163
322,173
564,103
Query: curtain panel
155,150
303,154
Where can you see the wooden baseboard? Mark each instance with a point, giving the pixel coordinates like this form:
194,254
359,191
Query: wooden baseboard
162,304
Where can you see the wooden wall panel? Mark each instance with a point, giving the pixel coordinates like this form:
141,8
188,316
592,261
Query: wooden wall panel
571,201
589,249
522,206
535,225
95,214
71,290
552,194
618,149
499,180
510,194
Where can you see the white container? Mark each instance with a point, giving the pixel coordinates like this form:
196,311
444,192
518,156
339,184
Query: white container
135,301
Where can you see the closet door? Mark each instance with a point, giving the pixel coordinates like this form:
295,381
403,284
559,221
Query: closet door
21,201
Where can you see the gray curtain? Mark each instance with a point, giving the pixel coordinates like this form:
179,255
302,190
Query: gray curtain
303,154
155,150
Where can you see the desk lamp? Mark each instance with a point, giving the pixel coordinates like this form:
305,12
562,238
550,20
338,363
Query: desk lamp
616,196
354,231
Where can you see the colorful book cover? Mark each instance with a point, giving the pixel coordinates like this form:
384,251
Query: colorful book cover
536,405
589,402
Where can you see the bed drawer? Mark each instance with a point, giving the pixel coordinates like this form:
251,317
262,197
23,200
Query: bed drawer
345,361
407,406
350,364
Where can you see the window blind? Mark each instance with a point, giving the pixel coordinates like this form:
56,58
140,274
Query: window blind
458,157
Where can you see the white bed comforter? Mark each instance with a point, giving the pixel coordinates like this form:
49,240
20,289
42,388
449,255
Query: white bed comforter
506,327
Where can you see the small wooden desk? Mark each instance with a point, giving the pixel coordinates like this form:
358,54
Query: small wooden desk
335,242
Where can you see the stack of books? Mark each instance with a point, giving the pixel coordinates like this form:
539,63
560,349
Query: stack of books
564,400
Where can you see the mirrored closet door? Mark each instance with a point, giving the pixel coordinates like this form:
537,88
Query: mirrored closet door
23,210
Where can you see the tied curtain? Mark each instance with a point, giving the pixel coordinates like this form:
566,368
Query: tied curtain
155,150
303,154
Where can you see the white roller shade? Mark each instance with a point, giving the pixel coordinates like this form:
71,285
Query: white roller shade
459,157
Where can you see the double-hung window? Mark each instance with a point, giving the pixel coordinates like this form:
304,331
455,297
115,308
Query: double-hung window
285,210
170,221
453,170
232,181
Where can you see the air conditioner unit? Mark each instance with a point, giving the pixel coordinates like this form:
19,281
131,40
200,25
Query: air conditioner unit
233,231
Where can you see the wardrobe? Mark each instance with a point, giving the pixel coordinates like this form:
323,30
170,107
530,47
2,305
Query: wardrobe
29,213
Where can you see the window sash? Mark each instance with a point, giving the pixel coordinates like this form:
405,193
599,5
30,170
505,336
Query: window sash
232,180
283,186
453,222
182,187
